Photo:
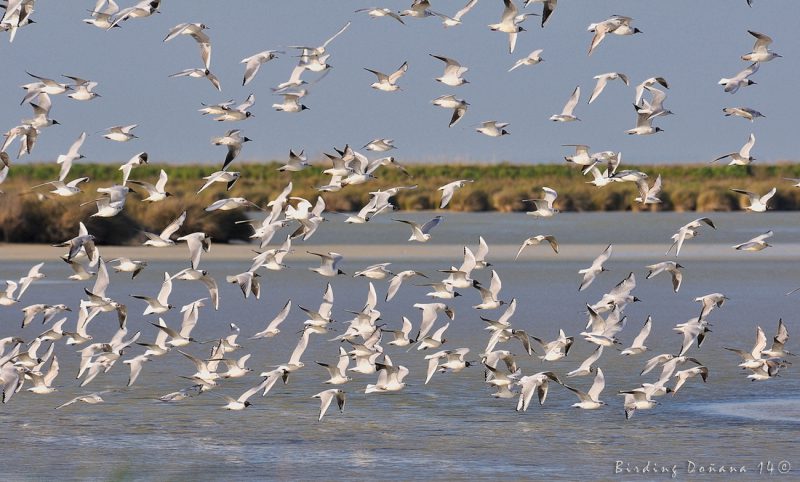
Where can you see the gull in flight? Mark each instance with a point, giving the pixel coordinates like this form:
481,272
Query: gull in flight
102,18
489,299
163,240
328,264
533,58
459,107
449,189
380,145
761,52
159,304
509,23
778,341
602,80
126,265
397,280
743,112
684,375
375,12
617,25
758,204
586,367
133,162
456,19
536,240
756,244
548,7
590,400
670,267
272,328
120,133
71,156
544,206
493,129
452,72
326,397
647,194
566,114
743,157
648,83
741,79
233,139
254,62
388,83
638,346
65,190
155,192
688,231
421,233
538,383
596,268
556,349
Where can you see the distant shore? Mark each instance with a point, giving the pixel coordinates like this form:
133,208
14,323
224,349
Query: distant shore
35,216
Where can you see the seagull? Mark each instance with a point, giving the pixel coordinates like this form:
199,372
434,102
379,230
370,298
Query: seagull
33,275
376,271
297,162
638,347
92,398
489,299
225,113
741,79
376,12
544,206
449,189
199,74
752,359
71,156
247,282
761,52
586,366
388,83
242,402
590,400
390,378
533,58
602,80
548,7
637,400
401,336
329,264
430,312
197,243
120,133
231,203
743,112
452,72
566,114
493,128
647,194
419,9
779,340
756,244
41,383
670,267
163,240
144,8
758,204
159,304
644,126
380,145
254,62
688,231
133,162
397,280
509,23
326,397
102,18
617,25
684,375
556,349
291,102
82,90
233,140
648,83
155,192
536,240
539,383
743,157
459,107
596,268
228,177
338,372
456,19
421,233
454,362
709,302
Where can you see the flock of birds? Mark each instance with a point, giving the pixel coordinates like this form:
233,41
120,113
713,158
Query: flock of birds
360,348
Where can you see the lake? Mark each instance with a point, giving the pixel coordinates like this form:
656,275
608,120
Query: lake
450,428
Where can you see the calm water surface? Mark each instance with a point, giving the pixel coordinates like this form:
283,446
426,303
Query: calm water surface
450,428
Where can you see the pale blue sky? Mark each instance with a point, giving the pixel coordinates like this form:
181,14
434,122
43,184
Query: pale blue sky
691,43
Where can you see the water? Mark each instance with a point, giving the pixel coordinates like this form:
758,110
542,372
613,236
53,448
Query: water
450,428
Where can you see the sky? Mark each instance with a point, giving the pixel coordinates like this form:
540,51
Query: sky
692,44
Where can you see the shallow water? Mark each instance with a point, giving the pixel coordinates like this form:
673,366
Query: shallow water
450,428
